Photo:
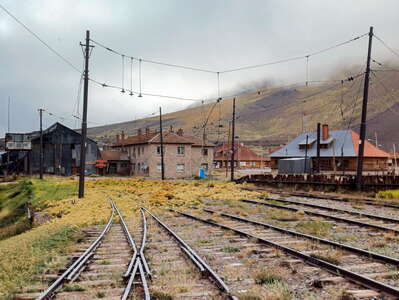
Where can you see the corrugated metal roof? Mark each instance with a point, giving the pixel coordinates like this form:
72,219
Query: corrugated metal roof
341,143
310,141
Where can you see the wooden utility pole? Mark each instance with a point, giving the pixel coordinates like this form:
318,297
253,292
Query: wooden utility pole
233,122
41,143
395,162
228,141
306,154
161,135
359,178
84,118
318,148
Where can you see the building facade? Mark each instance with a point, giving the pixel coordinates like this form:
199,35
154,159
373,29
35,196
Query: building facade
184,155
244,157
338,151
61,152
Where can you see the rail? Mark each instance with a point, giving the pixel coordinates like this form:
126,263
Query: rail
331,268
136,264
377,217
74,270
197,260
309,212
369,254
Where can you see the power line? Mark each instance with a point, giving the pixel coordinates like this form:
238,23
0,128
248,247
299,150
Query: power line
40,39
307,56
387,91
386,46
106,85
297,57
350,78
152,61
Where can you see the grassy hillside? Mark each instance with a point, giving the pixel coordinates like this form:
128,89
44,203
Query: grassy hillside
280,113
15,196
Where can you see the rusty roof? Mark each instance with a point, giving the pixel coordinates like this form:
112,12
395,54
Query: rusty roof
369,149
242,153
155,138
113,155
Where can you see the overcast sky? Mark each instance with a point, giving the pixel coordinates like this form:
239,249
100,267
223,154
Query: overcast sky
210,34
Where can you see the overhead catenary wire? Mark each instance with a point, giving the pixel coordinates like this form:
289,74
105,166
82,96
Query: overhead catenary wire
63,58
140,93
387,91
131,77
152,61
123,74
386,45
307,56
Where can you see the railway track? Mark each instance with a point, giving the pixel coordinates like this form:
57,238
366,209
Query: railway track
340,215
355,271
370,202
174,276
97,267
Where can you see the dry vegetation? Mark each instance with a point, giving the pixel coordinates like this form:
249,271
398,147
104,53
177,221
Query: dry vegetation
28,254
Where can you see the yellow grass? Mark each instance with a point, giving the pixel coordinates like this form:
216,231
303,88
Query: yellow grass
26,255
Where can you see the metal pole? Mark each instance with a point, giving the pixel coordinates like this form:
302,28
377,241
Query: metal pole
162,156
41,144
233,139
84,118
8,119
376,139
359,179
318,147
306,153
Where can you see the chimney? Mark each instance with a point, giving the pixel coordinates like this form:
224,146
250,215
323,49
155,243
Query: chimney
325,132
147,131
180,132
139,131
122,135
117,138
171,128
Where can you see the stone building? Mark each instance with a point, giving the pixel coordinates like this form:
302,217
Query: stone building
184,155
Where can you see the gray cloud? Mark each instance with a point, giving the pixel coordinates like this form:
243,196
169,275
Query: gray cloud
208,34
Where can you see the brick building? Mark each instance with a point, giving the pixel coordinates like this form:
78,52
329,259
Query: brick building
244,158
184,155
338,151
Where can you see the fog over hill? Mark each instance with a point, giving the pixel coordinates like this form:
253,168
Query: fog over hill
277,114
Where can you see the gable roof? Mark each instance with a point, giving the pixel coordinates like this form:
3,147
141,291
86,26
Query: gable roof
343,143
242,153
113,155
155,138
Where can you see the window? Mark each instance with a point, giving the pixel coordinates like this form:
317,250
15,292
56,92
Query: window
180,150
180,167
159,150
243,163
159,167
204,152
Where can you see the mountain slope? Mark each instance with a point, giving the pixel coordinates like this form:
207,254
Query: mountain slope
275,115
